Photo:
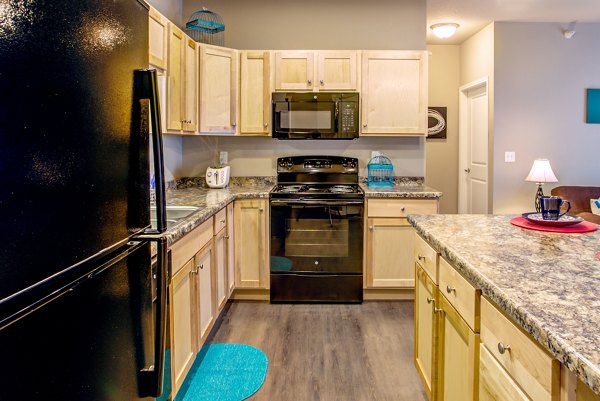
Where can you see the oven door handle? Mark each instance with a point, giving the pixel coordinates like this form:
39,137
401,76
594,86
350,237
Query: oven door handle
316,202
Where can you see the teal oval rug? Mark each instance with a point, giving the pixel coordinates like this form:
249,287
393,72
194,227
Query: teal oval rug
225,372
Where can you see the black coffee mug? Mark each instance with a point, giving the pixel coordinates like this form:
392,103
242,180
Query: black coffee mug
551,205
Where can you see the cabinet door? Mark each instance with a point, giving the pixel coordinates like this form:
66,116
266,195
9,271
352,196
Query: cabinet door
190,73
221,288
230,251
390,244
337,70
158,30
175,82
183,323
294,70
251,250
394,93
425,327
204,292
457,355
495,384
255,93
218,89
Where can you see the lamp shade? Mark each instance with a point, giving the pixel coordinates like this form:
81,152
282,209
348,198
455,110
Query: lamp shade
541,172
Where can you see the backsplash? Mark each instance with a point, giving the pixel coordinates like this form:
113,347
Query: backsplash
194,182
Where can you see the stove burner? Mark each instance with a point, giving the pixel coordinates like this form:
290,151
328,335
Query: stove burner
341,189
290,189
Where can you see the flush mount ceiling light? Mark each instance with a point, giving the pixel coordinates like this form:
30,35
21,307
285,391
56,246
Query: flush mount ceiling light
444,30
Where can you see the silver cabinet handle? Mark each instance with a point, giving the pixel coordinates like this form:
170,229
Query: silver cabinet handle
421,257
322,83
430,300
201,266
261,210
309,82
437,310
403,209
503,348
370,228
233,124
226,236
266,125
365,125
467,170
223,221
450,289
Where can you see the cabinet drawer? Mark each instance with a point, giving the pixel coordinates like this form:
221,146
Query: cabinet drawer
460,293
426,257
400,208
220,220
531,367
185,249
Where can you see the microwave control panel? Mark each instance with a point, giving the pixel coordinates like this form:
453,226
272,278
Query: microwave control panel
349,117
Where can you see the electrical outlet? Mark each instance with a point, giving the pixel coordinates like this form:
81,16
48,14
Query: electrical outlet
223,156
509,157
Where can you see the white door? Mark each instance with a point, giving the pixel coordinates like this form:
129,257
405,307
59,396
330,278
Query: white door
473,182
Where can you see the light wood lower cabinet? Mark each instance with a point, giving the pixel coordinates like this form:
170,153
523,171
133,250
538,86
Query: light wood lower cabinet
425,330
495,384
251,243
182,314
457,355
221,256
390,241
230,251
205,304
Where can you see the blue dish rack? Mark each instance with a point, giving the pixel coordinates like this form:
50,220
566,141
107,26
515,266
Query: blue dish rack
380,172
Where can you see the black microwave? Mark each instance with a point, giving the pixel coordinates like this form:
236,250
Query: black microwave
315,115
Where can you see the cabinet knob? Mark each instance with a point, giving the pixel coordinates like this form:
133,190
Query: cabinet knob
450,289
261,210
226,236
223,221
233,124
403,209
503,348
370,228
430,300
201,266
467,170
421,257
437,310
322,83
266,125
365,125
309,82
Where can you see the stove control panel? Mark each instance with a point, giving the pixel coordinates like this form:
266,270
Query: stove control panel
317,164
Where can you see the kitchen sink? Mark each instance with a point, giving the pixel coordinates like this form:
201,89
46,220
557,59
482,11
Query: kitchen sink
174,213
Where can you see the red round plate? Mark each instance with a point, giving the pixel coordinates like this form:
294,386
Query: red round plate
583,227
563,221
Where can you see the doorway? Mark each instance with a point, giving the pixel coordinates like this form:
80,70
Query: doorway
473,158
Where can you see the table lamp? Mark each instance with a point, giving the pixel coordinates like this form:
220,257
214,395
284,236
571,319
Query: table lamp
540,173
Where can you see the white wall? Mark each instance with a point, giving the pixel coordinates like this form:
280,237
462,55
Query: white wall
257,156
318,24
441,155
540,82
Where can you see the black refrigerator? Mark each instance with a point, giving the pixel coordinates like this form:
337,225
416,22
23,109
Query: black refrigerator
82,313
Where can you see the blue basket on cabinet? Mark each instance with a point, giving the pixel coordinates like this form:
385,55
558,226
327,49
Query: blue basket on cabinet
380,172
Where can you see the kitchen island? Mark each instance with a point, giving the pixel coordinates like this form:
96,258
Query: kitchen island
545,282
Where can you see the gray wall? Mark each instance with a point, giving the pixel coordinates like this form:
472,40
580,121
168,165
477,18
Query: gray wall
540,82
310,24
318,24
169,8
442,154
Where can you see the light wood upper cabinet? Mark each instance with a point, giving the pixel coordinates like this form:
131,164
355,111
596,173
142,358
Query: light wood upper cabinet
158,30
255,93
337,70
182,92
294,70
323,70
394,93
251,243
218,89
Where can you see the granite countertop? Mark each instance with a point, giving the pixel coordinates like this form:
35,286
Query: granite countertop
401,191
547,282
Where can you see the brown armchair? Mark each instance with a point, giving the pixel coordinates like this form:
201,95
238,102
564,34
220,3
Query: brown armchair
580,200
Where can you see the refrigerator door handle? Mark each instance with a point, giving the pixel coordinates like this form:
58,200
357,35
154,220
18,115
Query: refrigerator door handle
151,377
149,86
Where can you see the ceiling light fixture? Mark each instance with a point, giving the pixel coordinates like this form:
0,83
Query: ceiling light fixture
444,30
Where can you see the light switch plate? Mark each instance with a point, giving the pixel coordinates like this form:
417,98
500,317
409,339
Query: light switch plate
509,157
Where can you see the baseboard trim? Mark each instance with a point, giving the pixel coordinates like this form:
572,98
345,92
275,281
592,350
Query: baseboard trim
244,294
388,294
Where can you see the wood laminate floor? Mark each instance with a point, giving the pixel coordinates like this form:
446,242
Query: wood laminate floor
328,352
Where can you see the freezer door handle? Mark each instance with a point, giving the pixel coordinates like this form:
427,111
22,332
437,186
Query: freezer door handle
151,377
148,86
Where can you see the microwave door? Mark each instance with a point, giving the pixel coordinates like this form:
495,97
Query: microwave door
309,119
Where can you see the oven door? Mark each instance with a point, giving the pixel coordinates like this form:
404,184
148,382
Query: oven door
316,251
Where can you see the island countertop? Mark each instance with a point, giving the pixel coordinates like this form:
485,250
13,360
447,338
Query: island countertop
549,283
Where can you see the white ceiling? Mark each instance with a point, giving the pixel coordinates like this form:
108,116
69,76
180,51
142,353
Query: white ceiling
472,15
